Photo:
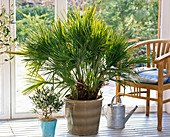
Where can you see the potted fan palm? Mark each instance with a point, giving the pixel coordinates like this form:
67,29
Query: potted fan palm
78,56
46,102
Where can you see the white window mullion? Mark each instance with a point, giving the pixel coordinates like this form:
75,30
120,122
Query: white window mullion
5,90
60,9
5,77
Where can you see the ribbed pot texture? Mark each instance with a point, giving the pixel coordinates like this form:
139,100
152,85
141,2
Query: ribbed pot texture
83,117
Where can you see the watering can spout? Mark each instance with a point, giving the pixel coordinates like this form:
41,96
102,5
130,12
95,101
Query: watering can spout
130,113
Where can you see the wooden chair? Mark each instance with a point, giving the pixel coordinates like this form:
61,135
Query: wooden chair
161,61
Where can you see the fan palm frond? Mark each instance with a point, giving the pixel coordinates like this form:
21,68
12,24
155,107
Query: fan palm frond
77,55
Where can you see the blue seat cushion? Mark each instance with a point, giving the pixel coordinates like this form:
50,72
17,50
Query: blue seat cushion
150,77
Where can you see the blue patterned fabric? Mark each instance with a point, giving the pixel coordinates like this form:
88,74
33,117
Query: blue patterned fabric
151,77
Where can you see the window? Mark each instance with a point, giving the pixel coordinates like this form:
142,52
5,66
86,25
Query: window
29,13
12,74
135,18
123,15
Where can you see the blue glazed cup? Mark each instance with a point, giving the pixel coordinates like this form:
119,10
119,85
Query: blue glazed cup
48,128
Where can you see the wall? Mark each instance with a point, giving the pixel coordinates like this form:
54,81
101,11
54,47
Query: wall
165,34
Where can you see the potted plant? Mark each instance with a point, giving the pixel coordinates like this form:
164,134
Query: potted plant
78,56
46,102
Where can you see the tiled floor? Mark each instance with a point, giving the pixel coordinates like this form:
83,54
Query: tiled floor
137,126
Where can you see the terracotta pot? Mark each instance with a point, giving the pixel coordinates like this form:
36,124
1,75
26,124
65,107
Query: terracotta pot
83,117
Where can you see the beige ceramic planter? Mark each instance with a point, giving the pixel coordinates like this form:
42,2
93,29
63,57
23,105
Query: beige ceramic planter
83,117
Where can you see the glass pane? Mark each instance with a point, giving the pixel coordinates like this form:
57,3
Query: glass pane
138,19
135,18
28,15
23,103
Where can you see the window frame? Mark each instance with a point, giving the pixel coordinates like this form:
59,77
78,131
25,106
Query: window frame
8,85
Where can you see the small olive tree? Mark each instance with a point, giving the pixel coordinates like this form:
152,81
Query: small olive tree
47,101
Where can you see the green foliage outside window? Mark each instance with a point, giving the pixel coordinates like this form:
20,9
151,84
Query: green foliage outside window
136,18
29,17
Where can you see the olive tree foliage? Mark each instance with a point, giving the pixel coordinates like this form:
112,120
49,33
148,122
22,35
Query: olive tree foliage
6,40
46,101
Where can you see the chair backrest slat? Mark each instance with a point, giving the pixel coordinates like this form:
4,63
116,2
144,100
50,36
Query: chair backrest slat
148,54
163,49
158,49
167,48
153,55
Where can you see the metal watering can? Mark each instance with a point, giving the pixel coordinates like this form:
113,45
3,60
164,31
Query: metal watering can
116,114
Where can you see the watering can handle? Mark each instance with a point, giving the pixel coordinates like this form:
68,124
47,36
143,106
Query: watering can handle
104,112
120,101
